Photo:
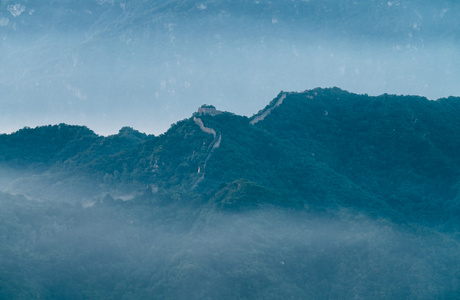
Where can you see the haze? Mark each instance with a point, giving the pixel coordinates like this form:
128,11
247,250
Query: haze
144,252
147,64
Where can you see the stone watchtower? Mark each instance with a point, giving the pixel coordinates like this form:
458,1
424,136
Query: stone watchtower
208,110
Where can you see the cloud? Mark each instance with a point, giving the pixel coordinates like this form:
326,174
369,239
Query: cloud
76,92
202,6
16,9
4,21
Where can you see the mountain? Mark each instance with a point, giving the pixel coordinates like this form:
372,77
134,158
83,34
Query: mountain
320,147
47,160
401,149
284,204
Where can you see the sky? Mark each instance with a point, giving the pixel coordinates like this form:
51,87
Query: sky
107,64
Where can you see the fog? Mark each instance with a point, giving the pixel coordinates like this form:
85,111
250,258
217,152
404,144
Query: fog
105,64
108,64
122,250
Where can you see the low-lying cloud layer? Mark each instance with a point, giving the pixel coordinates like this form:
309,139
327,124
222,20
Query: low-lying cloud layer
173,252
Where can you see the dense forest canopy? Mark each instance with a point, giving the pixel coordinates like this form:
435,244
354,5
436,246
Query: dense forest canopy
322,194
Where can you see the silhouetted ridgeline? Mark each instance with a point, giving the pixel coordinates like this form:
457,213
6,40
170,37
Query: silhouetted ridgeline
318,185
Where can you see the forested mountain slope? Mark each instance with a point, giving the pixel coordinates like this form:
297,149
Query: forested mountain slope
402,149
318,148
322,194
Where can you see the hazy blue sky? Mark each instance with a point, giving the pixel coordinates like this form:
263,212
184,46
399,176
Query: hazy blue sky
147,64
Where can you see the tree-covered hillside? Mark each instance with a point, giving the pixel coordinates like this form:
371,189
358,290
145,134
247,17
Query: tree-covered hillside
402,149
323,194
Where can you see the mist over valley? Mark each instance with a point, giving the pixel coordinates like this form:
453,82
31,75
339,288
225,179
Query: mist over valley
321,194
141,156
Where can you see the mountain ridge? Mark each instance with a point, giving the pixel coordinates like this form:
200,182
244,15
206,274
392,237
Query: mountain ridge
319,148
318,199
